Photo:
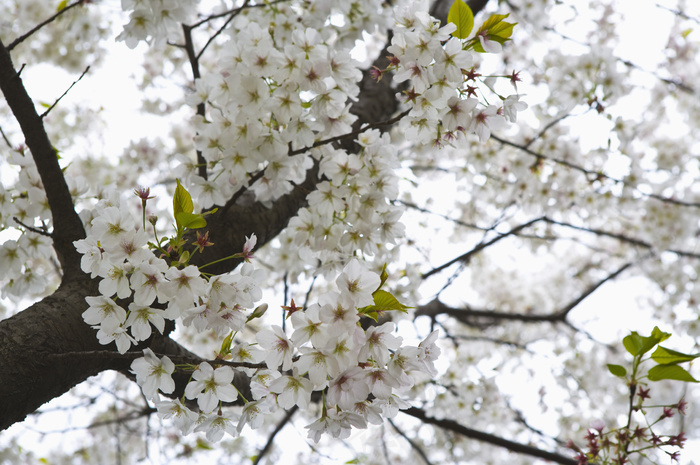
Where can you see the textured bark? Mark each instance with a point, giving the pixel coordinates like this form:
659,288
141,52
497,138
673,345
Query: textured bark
66,222
47,348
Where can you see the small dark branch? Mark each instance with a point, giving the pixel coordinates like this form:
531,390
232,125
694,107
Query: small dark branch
673,82
201,109
564,312
592,175
490,438
469,316
467,256
43,115
236,11
237,195
453,220
43,232
23,37
414,446
221,29
7,141
271,439
547,127
351,135
67,226
621,238
178,359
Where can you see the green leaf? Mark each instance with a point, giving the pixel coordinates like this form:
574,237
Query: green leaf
639,345
384,302
369,312
674,372
617,370
633,343
226,344
494,29
182,201
383,276
461,16
664,356
62,5
190,220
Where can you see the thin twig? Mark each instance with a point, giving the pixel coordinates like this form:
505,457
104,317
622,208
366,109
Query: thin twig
414,446
43,115
489,438
593,175
466,256
23,37
7,141
221,29
353,134
271,437
43,232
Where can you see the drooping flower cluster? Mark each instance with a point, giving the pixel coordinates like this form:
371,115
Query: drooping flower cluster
361,371
115,251
443,97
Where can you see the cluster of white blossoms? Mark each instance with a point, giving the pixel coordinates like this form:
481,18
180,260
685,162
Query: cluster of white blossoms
155,20
115,251
443,97
278,100
359,371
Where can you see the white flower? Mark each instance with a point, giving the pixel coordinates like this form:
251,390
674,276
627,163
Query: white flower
279,347
111,331
338,425
147,282
215,425
91,262
348,388
210,386
183,287
103,310
358,283
254,414
184,418
308,327
116,281
318,364
140,319
379,342
428,352
292,390
153,373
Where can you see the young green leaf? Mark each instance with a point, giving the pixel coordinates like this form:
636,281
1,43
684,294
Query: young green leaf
633,343
494,29
182,201
226,345
384,302
461,16
369,312
617,370
674,372
190,220
664,356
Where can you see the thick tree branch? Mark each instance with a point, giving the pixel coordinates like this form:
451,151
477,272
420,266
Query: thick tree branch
489,438
67,226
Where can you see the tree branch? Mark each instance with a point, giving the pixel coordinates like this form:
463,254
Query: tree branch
512,446
467,256
67,226
26,35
